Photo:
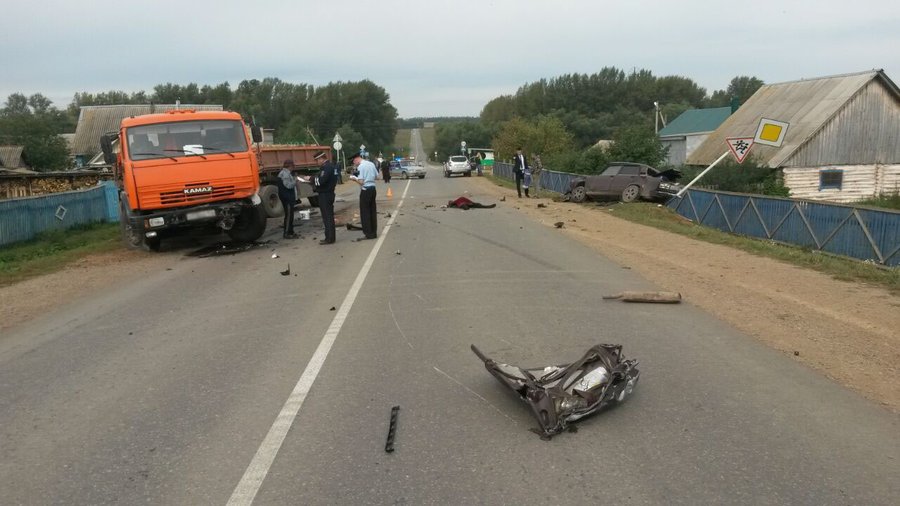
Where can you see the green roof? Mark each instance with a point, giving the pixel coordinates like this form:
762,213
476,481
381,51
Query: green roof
695,121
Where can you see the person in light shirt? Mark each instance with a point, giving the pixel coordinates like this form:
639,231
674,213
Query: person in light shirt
368,213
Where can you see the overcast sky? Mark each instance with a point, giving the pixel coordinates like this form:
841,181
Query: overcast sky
435,58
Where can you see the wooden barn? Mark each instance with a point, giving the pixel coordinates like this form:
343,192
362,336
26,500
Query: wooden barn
843,142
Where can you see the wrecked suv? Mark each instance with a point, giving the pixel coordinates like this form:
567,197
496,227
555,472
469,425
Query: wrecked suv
627,181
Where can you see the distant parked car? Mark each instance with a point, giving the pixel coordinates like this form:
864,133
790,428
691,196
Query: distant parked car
457,164
406,169
627,181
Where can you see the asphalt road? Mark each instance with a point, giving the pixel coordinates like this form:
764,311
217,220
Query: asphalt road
222,380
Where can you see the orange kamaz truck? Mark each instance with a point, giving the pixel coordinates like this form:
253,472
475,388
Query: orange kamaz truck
186,169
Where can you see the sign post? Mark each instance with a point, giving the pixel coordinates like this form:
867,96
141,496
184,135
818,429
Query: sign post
719,159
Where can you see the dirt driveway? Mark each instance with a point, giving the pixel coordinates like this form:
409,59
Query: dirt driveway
849,332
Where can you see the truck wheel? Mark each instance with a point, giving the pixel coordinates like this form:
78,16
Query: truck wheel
631,193
249,225
313,200
133,237
270,201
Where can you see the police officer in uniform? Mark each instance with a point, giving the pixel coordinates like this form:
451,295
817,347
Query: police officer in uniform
324,184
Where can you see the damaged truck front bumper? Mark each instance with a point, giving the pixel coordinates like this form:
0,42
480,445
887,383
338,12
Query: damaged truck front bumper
559,395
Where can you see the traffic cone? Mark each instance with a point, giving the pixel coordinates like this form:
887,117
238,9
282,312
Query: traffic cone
390,194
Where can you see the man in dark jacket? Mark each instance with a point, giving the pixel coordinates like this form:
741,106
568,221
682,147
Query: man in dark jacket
386,170
324,184
519,168
287,194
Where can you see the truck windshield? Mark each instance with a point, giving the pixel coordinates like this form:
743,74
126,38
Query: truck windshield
186,138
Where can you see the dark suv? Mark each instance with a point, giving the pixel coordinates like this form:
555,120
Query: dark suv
628,181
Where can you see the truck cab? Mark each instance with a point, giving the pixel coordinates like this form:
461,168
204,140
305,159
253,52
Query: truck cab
186,169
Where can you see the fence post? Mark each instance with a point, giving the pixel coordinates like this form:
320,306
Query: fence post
112,200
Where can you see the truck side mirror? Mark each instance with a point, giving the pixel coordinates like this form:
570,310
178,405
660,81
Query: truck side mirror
256,133
106,146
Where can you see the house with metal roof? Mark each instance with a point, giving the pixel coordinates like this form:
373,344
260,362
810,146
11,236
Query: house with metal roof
11,157
842,143
96,120
688,131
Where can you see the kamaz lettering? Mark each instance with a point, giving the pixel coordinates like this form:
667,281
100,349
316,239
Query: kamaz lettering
194,191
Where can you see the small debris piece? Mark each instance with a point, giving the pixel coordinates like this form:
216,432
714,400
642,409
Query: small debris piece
796,353
286,272
397,252
653,297
559,224
542,205
274,255
503,199
392,429
332,308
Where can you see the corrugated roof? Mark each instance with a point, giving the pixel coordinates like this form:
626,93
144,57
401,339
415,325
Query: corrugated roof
11,157
806,105
96,120
696,121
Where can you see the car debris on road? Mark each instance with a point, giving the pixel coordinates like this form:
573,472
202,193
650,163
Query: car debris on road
559,395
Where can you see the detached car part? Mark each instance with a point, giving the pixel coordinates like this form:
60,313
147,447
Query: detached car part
559,395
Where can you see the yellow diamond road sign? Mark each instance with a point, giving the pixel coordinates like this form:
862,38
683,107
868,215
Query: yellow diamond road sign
770,132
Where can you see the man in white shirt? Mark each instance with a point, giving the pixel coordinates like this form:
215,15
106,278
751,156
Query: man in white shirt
368,213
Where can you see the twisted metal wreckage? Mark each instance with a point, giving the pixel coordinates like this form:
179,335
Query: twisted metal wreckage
559,395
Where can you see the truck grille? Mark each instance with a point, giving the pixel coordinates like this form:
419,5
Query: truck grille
180,197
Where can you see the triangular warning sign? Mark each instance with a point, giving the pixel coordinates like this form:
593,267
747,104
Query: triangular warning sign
739,147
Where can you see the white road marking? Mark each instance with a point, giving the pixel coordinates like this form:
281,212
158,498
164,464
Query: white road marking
256,472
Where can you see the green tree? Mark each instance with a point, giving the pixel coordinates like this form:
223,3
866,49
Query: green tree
740,87
499,110
33,122
449,136
544,135
638,144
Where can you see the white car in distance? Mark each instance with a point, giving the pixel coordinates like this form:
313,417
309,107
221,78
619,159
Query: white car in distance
457,164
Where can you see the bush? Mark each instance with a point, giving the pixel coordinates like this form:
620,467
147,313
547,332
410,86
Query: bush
749,177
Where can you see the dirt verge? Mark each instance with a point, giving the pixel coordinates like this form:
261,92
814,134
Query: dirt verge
847,331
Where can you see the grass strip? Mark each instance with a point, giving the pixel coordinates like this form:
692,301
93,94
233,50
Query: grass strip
51,251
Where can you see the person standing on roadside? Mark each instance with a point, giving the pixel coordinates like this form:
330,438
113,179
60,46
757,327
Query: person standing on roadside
386,170
324,184
368,212
519,168
287,194
537,166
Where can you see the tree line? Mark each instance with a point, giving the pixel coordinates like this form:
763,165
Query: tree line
564,117
300,113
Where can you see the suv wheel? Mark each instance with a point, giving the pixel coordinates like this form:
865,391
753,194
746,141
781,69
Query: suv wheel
631,193
578,194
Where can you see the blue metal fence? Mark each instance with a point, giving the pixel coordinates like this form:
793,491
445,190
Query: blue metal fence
550,180
22,219
862,233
